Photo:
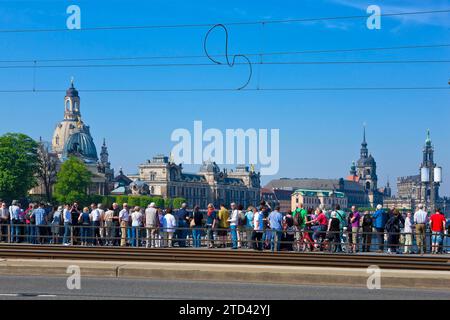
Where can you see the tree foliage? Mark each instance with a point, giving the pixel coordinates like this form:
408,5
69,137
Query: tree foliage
18,165
72,182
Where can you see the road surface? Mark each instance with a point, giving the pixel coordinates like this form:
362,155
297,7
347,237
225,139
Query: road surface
27,287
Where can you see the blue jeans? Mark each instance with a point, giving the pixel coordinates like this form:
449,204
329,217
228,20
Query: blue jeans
134,236
275,239
437,238
66,232
31,232
15,232
234,236
196,236
85,234
182,234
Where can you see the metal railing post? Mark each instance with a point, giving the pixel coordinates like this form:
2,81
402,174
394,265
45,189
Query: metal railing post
9,233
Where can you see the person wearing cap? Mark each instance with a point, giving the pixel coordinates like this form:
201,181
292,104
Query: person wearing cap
333,232
151,225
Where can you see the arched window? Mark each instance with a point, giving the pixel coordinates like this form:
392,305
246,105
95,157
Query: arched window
368,172
368,185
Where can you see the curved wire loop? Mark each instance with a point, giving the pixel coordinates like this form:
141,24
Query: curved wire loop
227,57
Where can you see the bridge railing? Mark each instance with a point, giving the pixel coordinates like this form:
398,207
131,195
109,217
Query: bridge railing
292,239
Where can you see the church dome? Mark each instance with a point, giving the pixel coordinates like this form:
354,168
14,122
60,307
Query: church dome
80,144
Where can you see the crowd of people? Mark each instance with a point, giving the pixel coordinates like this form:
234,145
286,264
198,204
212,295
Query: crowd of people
259,228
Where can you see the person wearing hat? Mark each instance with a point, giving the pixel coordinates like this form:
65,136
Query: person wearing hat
151,225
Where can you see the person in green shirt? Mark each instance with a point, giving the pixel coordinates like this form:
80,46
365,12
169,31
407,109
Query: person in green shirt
299,216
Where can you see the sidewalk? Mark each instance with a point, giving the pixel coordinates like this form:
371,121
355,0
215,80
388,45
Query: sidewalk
226,273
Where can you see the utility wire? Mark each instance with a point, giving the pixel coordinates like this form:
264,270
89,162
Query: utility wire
243,23
234,89
164,65
258,54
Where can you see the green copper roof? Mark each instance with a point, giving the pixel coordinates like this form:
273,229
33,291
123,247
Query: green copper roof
319,193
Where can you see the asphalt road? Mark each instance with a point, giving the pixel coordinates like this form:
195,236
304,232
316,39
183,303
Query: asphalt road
14,287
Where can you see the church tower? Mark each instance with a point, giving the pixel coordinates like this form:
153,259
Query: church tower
72,124
104,156
367,167
72,104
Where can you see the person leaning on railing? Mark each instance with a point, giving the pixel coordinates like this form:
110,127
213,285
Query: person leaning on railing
168,228
197,225
211,223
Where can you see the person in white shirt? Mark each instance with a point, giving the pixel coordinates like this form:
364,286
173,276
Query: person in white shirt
420,221
96,216
408,233
234,219
258,223
136,224
124,219
67,218
169,225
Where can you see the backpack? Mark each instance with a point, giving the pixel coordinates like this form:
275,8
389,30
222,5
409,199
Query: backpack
242,218
367,220
298,220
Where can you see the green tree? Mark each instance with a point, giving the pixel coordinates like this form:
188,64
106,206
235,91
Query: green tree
159,202
18,165
72,182
177,202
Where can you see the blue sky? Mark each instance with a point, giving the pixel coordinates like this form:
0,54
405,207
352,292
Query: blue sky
320,131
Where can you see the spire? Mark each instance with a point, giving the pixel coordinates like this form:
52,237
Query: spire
71,82
428,140
104,156
364,143
364,150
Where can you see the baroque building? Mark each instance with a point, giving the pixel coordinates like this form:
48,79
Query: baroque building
412,190
72,137
364,172
166,179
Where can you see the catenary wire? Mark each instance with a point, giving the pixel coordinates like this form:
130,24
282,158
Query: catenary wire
222,55
242,23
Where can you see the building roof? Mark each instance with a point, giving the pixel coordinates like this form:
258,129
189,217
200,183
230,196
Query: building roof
307,183
314,184
319,193
80,144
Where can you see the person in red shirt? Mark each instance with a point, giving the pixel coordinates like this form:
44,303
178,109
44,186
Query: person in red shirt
437,225
320,225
